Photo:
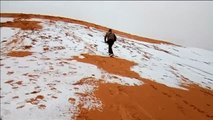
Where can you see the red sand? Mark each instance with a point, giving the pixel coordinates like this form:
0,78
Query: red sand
150,101
35,100
19,53
112,65
24,25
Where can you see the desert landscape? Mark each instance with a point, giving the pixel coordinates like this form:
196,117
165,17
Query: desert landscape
56,68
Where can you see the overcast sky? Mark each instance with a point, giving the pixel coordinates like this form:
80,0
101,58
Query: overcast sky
188,23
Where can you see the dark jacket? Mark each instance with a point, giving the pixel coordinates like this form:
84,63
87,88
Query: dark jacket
110,36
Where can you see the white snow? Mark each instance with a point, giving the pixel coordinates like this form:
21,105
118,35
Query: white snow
52,72
7,33
5,19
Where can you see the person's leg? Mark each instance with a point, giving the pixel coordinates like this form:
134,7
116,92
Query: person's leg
110,47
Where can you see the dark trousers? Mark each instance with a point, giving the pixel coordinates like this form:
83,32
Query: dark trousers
110,44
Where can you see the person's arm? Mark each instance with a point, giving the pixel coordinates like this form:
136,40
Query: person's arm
115,38
105,38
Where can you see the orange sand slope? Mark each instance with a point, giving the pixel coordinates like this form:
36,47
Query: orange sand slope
149,101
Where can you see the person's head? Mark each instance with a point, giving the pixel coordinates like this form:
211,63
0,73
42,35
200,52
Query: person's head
110,30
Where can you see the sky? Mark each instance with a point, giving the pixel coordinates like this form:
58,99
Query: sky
187,23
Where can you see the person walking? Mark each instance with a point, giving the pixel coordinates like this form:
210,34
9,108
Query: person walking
110,38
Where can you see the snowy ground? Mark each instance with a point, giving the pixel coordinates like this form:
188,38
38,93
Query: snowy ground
32,86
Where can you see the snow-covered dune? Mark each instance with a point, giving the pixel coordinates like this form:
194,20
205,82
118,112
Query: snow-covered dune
41,79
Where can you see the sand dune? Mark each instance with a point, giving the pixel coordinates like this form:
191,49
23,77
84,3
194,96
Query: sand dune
55,68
